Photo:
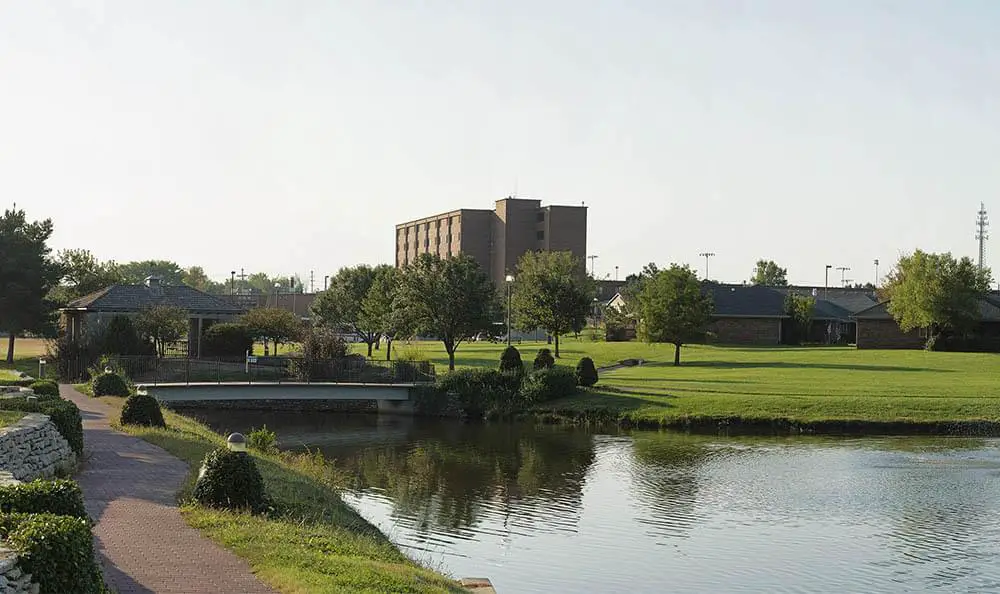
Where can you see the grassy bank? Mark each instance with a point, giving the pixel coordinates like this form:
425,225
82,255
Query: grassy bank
9,417
315,543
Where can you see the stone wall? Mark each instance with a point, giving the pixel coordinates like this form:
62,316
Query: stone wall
33,448
886,334
746,330
29,449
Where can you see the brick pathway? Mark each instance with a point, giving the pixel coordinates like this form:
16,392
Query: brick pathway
130,490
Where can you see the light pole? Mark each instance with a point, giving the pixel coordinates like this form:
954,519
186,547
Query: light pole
591,258
876,273
616,274
706,255
232,283
826,281
326,279
510,282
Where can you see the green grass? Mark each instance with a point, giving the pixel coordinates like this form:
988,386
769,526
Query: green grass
317,544
9,417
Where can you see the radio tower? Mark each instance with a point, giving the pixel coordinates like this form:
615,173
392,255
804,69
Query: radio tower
981,224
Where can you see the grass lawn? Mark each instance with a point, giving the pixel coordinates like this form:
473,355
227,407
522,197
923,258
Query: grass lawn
318,544
9,417
26,354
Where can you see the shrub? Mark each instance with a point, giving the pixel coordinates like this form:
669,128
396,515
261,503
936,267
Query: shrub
122,338
510,360
543,385
483,391
62,497
432,401
544,359
226,340
322,357
45,388
63,413
230,480
142,409
109,384
586,372
263,440
58,551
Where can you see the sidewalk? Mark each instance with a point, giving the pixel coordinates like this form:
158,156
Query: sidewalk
129,487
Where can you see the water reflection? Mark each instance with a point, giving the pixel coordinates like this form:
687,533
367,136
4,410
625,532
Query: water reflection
540,508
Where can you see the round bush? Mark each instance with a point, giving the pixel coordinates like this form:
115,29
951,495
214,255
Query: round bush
142,409
510,360
230,480
586,372
109,384
45,388
226,340
544,359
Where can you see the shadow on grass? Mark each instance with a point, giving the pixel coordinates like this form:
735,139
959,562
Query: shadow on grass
790,365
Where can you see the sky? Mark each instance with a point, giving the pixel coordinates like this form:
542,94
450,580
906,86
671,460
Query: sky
290,137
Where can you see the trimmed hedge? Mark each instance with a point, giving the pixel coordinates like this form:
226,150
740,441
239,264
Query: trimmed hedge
109,384
544,359
62,497
586,372
142,409
45,388
543,385
482,392
64,414
510,360
230,480
58,551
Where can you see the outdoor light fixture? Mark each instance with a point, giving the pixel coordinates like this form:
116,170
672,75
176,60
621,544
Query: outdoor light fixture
141,390
108,369
236,442
510,281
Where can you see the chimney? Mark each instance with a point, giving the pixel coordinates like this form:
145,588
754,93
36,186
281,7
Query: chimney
155,285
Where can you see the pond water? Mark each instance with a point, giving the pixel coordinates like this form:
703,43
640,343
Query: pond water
562,509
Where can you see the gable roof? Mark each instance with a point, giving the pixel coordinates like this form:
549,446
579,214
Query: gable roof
135,298
745,301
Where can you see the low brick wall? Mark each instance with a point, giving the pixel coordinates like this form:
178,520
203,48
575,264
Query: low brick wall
33,448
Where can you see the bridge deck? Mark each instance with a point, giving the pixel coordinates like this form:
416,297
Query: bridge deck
198,391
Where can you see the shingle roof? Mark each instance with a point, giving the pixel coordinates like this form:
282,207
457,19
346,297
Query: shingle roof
835,303
133,298
989,310
746,301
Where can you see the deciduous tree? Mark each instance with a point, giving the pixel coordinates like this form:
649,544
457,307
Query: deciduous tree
451,299
135,273
377,310
27,275
83,274
799,309
274,325
341,305
551,292
672,308
163,324
196,278
769,274
936,292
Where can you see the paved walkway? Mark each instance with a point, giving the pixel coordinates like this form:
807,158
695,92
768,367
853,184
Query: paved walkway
130,489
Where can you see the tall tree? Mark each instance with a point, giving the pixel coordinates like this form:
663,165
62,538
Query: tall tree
769,274
551,292
799,309
196,278
451,299
163,325
27,275
340,306
135,273
673,309
936,292
83,274
377,309
278,326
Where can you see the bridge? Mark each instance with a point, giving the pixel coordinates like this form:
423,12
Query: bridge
394,398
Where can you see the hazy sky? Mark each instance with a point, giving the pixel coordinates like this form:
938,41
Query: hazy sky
286,136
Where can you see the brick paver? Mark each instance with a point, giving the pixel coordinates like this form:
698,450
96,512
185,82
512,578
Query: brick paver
130,489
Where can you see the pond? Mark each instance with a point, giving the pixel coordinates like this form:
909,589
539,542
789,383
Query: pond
563,509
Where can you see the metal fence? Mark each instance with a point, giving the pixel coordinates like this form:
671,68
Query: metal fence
155,370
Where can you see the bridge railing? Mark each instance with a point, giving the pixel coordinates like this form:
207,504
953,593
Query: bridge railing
163,370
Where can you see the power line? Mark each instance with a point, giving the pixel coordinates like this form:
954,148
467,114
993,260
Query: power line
981,236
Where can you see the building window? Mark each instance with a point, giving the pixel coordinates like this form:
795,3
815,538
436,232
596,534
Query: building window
541,235
541,216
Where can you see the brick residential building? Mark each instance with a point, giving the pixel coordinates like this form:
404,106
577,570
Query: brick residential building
496,238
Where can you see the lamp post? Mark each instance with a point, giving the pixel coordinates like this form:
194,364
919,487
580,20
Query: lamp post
826,281
876,273
236,443
510,282
616,274
232,283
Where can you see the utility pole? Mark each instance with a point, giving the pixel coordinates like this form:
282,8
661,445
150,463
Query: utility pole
232,283
876,273
591,258
842,270
706,255
826,281
326,281
616,274
312,279
981,224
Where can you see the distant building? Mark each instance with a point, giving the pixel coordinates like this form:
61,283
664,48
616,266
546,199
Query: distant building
496,238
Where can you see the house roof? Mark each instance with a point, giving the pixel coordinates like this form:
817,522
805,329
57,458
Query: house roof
835,303
134,298
989,310
746,301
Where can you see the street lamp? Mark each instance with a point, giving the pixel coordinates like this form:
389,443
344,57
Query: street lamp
826,281
232,283
876,273
510,282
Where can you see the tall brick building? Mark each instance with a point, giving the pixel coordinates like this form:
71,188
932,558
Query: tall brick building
496,238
